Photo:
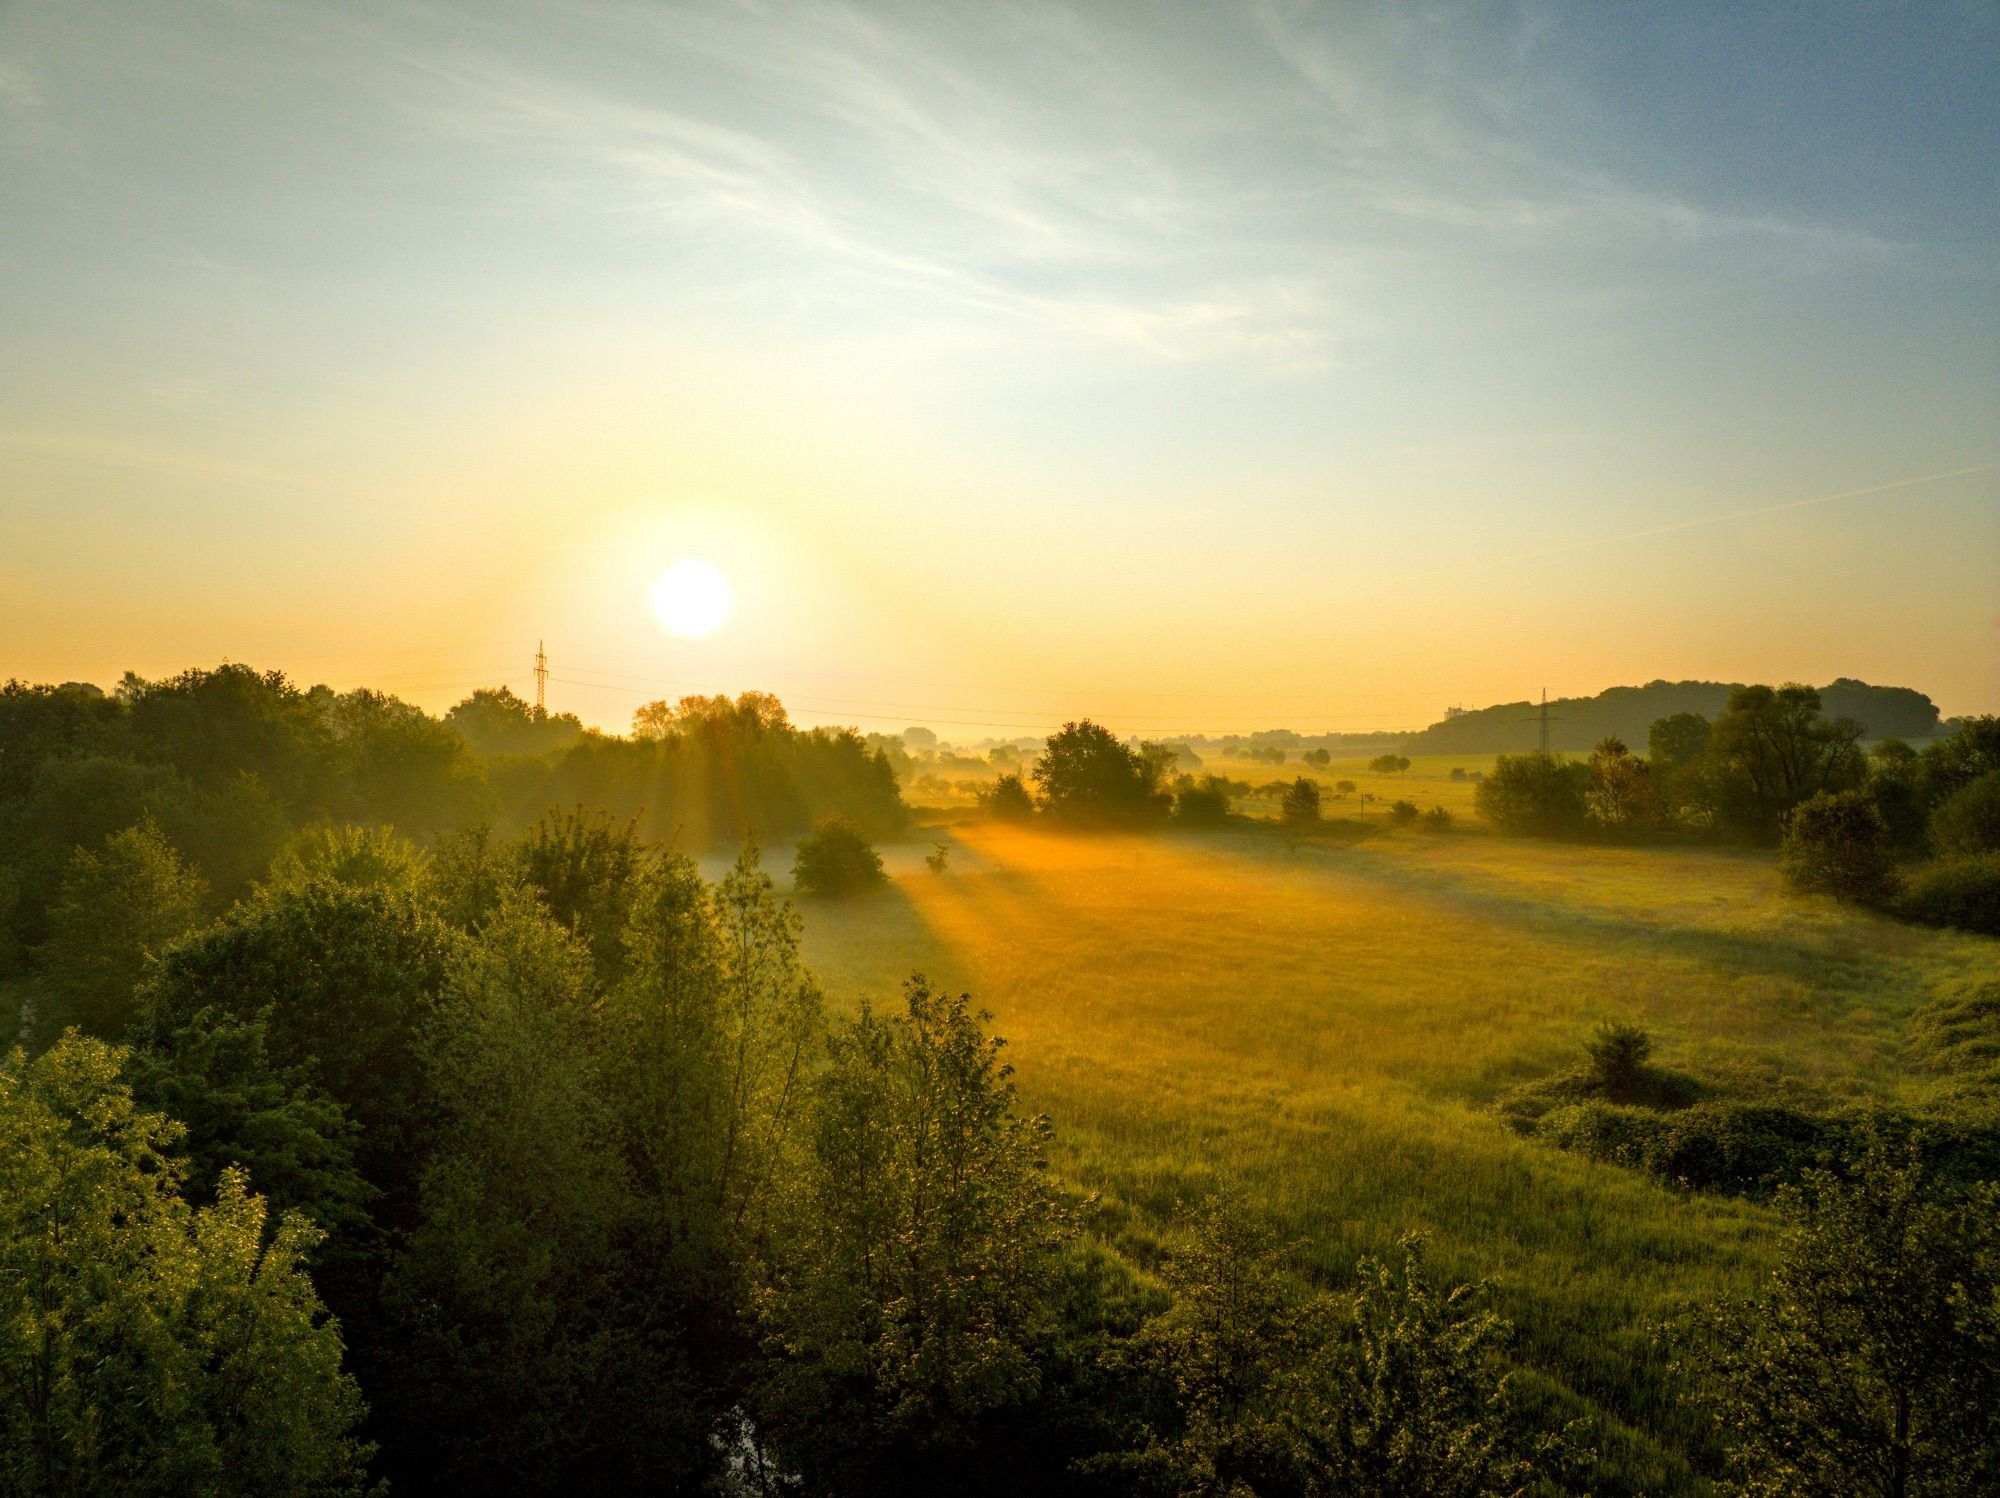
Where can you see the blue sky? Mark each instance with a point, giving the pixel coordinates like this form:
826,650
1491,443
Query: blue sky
1210,367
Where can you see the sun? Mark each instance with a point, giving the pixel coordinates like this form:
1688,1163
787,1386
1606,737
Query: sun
691,599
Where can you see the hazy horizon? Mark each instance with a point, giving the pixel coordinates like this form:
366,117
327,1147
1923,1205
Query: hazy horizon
1247,368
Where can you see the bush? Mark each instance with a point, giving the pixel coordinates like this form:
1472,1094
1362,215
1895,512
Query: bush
835,859
1836,844
1968,822
1437,819
1203,803
1300,806
1961,892
1402,813
1618,1054
1535,795
1389,764
1007,800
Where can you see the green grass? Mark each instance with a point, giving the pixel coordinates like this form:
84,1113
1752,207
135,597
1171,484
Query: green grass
1328,1027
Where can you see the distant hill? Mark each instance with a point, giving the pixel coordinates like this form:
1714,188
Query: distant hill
1576,724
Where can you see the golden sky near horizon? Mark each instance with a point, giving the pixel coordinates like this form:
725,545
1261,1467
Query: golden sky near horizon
1234,368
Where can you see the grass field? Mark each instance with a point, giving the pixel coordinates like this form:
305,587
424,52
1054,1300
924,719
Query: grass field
1328,1026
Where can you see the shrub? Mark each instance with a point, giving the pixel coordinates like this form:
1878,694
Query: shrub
1300,806
1007,800
1203,803
1402,813
1437,819
1968,821
1961,892
835,859
1535,795
1836,844
1618,1054
1389,764
1458,772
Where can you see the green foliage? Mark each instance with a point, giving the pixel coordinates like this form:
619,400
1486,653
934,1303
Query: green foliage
1535,795
1389,764
1967,822
493,721
580,864
1770,750
1300,805
1676,741
835,858
1961,892
340,977
1203,802
907,1301
1959,1035
1618,1055
1007,800
146,1346
1403,813
340,853
1970,751
118,909
1086,777
1836,844
1437,819
1622,797
1870,1364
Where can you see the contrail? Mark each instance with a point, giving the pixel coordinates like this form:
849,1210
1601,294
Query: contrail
1688,525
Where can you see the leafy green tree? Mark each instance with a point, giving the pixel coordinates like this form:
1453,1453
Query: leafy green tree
118,909
1770,750
1968,752
836,859
397,765
1406,1390
1203,802
1535,795
1300,806
215,1077
1389,764
1836,844
146,1346
1870,1363
1968,820
1675,742
340,977
1008,800
214,726
1403,813
1086,776
537,1339
364,857
907,1304
1622,796
581,864
494,721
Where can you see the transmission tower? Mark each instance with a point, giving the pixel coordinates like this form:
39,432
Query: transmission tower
542,681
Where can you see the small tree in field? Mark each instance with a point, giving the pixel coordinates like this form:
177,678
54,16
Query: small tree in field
835,859
1008,800
1389,764
1837,844
1403,813
1300,806
1345,787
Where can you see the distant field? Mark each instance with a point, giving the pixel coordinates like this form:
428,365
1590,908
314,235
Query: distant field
1329,1026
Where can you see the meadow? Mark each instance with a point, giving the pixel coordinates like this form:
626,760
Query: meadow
1325,1028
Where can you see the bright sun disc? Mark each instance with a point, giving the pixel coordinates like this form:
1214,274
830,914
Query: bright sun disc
691,599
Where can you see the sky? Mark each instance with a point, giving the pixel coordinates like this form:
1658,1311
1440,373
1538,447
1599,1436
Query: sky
1194,368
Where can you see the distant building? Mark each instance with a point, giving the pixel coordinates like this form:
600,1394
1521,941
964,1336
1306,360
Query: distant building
1454,712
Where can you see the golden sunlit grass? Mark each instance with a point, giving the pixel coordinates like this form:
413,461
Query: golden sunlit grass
1329,1026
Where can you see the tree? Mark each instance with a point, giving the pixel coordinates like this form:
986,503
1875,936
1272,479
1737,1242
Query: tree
1770,750
1406,1391
1389,764
1403,813
1087,777
1622,796
346,854
1320,757
1437,819
1535,795
1677,741
1203,802
1836,844
907,1303
580,863
118,909
835,859
1300,806
1968,820
1870,1364
493,721
1345,787
147,1346
1007,800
